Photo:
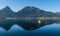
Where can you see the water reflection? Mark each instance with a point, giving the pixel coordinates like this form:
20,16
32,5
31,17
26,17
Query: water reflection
26,24
48,30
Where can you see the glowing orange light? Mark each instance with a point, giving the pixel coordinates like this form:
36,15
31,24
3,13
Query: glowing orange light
39,21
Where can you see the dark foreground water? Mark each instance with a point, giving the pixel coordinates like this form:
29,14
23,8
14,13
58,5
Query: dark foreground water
48,30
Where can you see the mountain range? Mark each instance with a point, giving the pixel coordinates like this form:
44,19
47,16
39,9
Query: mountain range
28,11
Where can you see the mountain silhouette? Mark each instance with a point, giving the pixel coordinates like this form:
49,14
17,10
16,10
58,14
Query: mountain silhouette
28,11
6,12
31,11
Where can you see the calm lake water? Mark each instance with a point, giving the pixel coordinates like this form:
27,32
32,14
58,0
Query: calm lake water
48,30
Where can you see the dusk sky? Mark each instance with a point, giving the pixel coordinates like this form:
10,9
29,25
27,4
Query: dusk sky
16,5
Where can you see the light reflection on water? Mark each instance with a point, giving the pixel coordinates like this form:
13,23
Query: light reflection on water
15,30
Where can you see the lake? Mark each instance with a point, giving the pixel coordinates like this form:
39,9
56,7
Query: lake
48,30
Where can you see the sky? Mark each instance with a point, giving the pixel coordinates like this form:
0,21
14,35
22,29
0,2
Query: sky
16,5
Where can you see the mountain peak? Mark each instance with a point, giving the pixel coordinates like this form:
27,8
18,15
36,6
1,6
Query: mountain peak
6,10
30,7
7,7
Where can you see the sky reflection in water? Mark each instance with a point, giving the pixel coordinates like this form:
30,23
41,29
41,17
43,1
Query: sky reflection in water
48,30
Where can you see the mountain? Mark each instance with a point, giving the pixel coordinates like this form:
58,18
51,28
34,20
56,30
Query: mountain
6,12
28,11
31,11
